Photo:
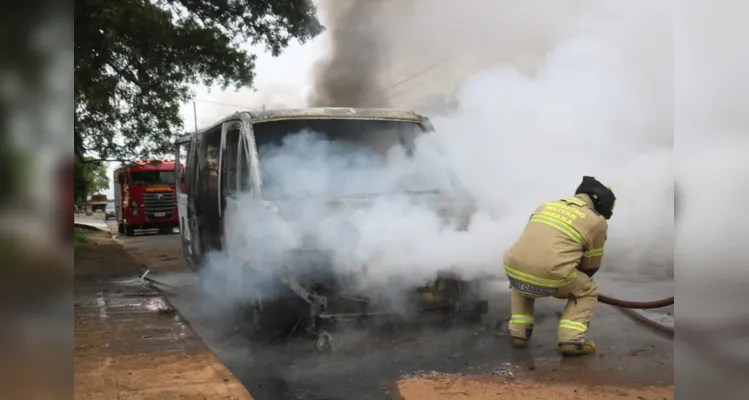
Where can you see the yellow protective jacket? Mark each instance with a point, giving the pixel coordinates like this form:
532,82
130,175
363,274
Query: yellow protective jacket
561,237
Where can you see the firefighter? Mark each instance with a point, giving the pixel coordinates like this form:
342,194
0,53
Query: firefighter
557,255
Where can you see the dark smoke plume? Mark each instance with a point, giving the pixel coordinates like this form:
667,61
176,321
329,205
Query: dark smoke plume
349,75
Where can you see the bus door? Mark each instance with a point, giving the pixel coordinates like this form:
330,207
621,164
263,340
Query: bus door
183,154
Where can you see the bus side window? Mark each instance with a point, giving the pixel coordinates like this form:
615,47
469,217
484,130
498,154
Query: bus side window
243,167
209,164
192,168
184,154
206,189
230,161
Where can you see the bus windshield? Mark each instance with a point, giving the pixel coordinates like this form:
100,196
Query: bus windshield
340,158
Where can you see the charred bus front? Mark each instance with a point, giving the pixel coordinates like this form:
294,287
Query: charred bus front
287,162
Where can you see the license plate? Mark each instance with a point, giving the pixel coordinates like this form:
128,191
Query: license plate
161,214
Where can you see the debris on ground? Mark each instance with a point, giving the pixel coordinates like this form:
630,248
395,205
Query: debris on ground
167,311
423,375
504,371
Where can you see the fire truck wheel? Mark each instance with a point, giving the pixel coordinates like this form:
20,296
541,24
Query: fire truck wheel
129,230
120,228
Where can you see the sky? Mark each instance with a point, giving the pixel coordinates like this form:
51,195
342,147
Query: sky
286,78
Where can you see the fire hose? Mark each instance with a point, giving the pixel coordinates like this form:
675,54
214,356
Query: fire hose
629,307
639,305
690,334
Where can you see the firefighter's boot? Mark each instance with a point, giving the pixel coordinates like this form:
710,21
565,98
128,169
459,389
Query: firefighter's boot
582,296
520,340
521,321
577,348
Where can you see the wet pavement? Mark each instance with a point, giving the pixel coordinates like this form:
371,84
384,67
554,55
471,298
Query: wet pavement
130,343
366,362
641,288
369,362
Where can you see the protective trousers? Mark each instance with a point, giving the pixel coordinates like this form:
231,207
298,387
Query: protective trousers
581,295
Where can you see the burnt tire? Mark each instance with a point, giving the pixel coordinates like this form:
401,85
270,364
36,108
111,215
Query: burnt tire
274,319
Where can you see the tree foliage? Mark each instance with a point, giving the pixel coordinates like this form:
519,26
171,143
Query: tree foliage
90,177
135,61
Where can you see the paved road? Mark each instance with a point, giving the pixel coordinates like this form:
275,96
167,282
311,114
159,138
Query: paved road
369,361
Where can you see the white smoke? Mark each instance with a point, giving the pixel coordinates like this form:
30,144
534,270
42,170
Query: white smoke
591,94
382,231
518,141
577,88
711,102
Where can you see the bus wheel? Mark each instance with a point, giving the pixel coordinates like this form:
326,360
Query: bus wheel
270,321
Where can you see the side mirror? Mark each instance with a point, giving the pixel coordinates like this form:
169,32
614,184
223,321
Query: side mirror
121,177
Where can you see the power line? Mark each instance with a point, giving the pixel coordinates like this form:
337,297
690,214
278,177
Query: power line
459,57
426,69
420,72
222,104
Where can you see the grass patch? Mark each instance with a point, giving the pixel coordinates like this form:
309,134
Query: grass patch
79,236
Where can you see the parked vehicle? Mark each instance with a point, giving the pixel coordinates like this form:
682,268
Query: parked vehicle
144,196
109,211
98,202
224,161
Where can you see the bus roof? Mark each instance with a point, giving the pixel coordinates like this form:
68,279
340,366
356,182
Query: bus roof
381,114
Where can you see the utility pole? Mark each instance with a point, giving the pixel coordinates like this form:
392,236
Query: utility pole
195,114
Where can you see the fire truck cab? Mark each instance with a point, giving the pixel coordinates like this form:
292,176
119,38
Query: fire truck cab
145,196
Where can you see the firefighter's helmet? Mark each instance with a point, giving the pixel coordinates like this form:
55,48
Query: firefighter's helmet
603,197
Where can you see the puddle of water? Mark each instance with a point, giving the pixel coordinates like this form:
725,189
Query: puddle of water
102,305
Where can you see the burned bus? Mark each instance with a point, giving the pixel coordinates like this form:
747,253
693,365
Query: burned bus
226,161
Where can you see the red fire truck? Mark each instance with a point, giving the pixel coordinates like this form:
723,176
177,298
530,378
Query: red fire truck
144,196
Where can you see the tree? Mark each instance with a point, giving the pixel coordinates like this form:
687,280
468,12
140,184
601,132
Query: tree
90,177
136,59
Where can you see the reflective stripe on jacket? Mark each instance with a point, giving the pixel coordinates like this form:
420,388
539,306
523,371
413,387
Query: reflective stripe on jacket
561,236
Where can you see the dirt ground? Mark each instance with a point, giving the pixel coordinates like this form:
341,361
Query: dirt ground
465,388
